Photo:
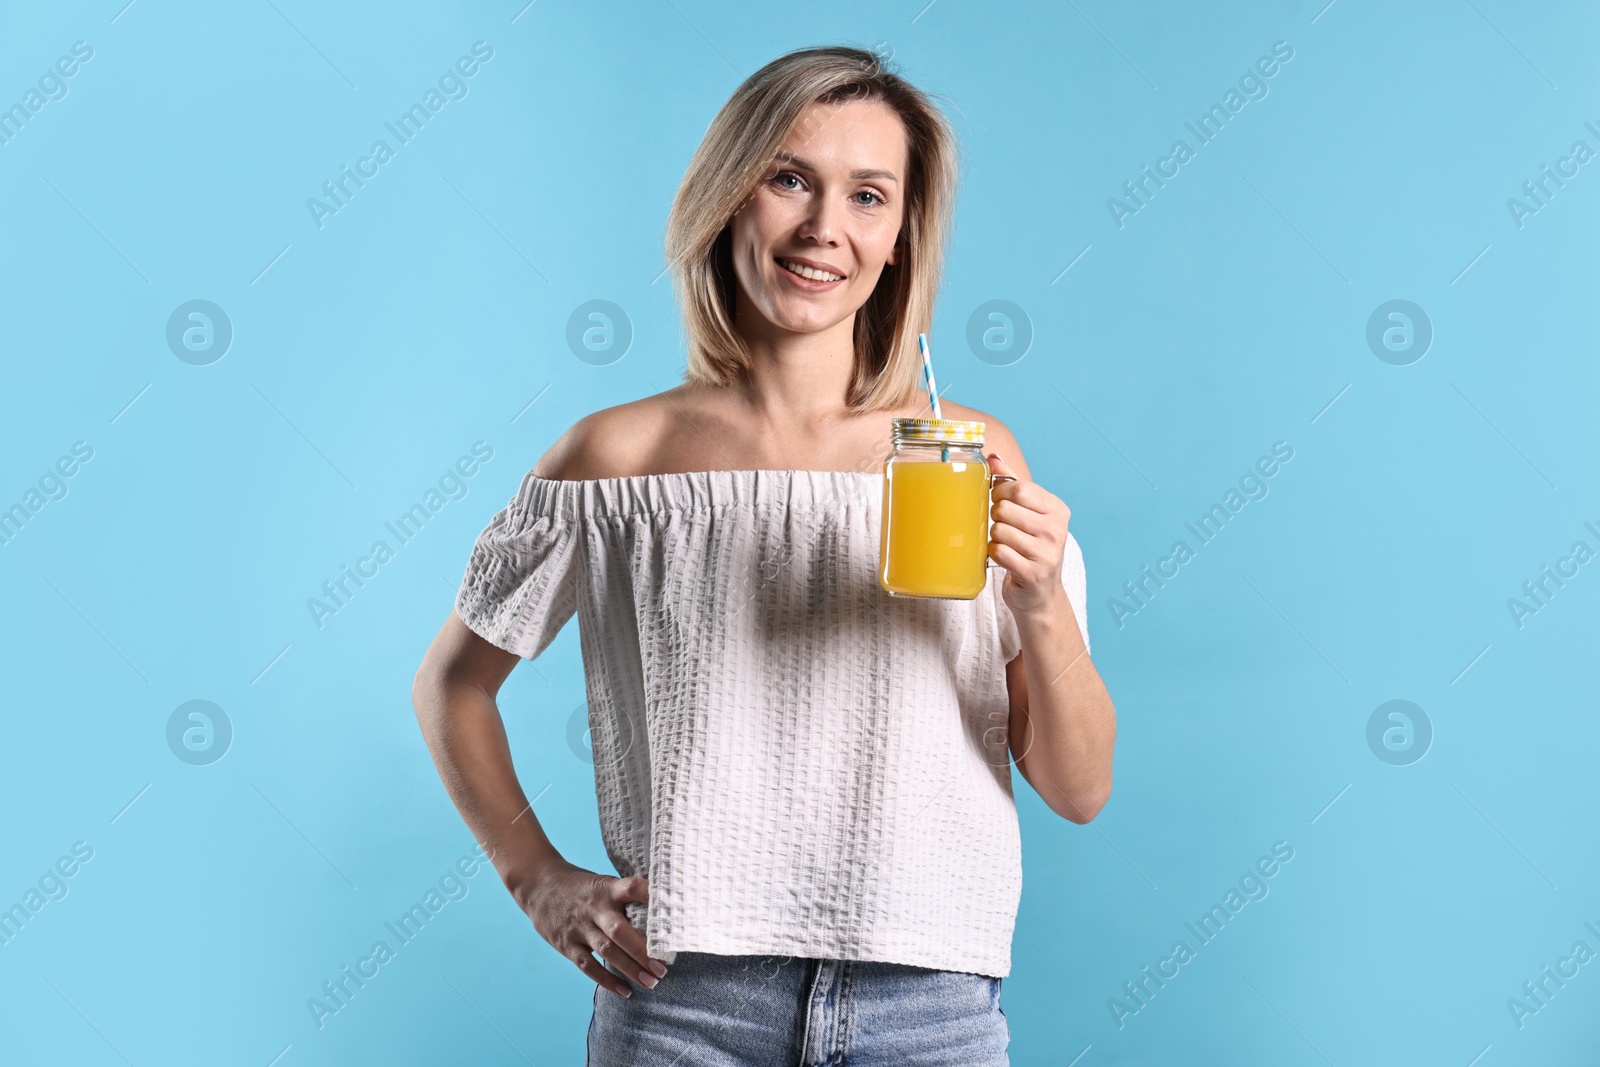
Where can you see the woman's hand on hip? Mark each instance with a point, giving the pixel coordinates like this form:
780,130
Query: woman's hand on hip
580,912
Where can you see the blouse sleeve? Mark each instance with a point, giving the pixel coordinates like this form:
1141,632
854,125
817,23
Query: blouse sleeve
1073,579
521,584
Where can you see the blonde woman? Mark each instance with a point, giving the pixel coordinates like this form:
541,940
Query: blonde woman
804,783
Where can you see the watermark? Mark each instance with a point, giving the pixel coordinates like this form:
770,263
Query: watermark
1137,993
452,85
1399,733
1537,993
51,886
750,585
52,86
52,485
1539,591
1252,485
599,332
1399,332
580,737
338,992
337,593
999,332
861,492
807,123
199,733
199,332
1138,192
1540,191
620,728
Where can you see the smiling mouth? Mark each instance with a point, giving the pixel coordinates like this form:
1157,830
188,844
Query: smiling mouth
808,273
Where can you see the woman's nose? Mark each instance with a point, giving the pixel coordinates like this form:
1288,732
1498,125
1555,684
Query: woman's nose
823,221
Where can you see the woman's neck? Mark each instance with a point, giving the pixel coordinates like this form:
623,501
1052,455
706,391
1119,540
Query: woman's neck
799,379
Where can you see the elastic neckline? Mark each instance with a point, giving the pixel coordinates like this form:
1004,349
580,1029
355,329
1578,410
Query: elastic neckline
701,474
695,491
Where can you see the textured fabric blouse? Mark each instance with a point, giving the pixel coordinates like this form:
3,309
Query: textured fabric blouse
802,764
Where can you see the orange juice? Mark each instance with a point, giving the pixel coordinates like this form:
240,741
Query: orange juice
935,536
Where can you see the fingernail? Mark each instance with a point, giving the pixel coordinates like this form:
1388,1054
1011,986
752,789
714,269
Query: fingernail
647,979
658,967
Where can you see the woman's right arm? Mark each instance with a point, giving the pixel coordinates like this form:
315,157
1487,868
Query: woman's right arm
577,911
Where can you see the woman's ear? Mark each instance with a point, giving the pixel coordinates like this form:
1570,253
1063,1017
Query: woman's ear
894,253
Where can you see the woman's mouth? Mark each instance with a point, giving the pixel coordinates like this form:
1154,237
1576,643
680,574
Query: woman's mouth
808,277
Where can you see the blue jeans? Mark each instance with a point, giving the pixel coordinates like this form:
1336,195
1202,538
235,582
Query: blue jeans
766,1011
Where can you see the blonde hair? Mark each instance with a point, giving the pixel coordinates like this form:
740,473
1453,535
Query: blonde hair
741,142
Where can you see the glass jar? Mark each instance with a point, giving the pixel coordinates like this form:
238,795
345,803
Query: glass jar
936,494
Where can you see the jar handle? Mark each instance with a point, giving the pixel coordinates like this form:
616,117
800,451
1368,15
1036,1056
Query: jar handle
994,480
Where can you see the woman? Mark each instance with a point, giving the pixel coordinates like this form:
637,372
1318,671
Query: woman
804,783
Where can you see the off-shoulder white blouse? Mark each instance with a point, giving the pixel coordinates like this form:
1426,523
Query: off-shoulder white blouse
802,764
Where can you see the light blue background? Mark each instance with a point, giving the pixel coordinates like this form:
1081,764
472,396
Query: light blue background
1227,315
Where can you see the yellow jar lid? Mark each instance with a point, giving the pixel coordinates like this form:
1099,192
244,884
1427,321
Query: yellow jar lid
938,430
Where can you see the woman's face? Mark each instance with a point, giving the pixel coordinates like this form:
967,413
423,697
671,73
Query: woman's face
831,204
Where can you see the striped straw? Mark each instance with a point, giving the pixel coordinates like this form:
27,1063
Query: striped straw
933,390
927,373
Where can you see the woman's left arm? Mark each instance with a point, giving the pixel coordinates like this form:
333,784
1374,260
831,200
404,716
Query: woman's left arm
1062,726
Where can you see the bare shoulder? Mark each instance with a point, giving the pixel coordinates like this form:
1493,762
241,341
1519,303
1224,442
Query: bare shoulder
997,436
610,443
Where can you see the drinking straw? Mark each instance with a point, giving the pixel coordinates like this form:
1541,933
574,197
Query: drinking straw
927,373
933,390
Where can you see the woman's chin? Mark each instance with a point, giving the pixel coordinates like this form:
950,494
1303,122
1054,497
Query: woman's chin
806,319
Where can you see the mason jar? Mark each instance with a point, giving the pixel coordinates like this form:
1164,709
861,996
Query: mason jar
934,540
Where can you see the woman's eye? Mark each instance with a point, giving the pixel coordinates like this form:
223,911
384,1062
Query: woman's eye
781,175
872,198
